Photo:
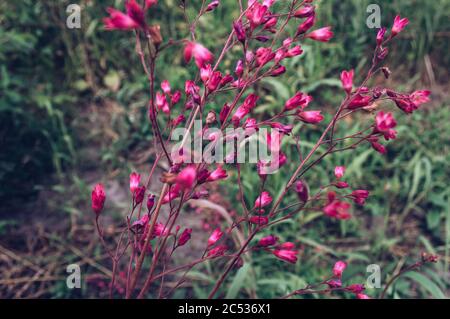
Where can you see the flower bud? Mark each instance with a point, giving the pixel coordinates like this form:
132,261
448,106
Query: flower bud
98,198
302,191
339,268
184,237
215,237
267,241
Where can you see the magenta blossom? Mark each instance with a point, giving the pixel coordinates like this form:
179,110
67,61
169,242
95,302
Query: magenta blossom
268,241
215,237
321,35
336,208
347,80
399,25
311,117
263,200
217,174
185,237
200,54
98,198
339,171
187,177
286,255
339,268
135,180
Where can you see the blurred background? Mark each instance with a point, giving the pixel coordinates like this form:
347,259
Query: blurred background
72,113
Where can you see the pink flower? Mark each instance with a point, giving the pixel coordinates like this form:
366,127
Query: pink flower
270,23
250,101
378,147
278,71
420,97
336,208
218,251
347,80
98,198
264,56
150,3
239,68
273,140
185,237
214,4
165,86
259,220
334,283
135,12
299,99
287,245
311,117
240,113
215,237
286,255
201,54
267,241
297,50
284,129
150,202
359,196
304,12
250,125
341,184
179,119
140,224
399,25
205,72
255,14
160,230
384,123
217,174
339,268
302,191
263,200
172,194
306,25
161,102
139,195
226,79
322,34
239,31
187,177
268,3
214,81
359,101
339,171
135,180
362,296
380,35
355,288
190,88
119,21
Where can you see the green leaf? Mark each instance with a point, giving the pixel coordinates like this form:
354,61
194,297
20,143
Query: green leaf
238,282
426,283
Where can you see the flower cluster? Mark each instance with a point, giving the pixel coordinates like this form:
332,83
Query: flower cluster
260,36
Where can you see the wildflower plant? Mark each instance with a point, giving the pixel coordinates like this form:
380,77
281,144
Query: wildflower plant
259,35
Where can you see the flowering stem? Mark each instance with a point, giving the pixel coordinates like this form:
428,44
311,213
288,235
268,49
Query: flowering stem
231,264
147,240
